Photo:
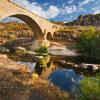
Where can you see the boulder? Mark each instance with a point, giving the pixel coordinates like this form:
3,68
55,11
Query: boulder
34,76
3,56
4,49
21,48
92,67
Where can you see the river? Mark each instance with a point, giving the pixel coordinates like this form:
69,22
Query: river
65,79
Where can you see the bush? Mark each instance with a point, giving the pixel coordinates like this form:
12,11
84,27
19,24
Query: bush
90,88
21,51
42,50
89,43
44,61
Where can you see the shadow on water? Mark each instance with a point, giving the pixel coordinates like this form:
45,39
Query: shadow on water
76,59
82,59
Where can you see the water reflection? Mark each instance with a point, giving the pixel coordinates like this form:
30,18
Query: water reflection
66,79
62,50
30,65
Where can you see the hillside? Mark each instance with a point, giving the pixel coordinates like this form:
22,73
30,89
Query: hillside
13,30
86,20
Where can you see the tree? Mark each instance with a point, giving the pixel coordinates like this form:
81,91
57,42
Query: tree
89,43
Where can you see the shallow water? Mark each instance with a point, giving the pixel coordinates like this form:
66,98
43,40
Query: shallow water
66,79
30,65
62,50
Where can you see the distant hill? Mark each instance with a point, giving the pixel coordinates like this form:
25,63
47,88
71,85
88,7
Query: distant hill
13,26
57,22
86,20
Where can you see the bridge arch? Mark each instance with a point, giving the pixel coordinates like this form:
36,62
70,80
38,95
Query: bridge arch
49,36
31,23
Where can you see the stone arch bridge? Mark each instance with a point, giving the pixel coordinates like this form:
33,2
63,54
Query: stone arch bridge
39,26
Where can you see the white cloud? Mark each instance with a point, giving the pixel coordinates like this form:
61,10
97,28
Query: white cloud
70,1
96,10
38,9
69,9
85,2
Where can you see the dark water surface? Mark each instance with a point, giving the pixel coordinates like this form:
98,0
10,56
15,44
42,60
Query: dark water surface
66,79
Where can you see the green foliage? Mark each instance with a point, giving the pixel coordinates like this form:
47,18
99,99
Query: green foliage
89,43
45,58
44,61
67,29
90,88
42,50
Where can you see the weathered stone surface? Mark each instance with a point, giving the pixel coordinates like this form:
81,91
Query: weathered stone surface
85,67
93,67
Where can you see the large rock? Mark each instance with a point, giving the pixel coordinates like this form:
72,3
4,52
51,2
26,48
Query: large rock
3,49
90,67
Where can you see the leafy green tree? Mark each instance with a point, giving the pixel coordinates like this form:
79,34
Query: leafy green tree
89,43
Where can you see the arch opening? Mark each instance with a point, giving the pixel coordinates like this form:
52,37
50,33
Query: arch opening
49,36
32,24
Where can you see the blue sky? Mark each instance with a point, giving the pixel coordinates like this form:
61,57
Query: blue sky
61,10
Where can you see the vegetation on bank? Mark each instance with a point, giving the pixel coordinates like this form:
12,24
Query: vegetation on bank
89,46
13,30
42,59
90,88
42,50
89,43
45,59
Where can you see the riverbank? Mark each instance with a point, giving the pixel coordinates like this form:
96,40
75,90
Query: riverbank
16,83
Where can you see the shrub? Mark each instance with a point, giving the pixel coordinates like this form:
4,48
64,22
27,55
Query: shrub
89,43
42,50
90,88
21,51
44,61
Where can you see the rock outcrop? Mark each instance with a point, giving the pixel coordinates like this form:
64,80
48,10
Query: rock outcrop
86,20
